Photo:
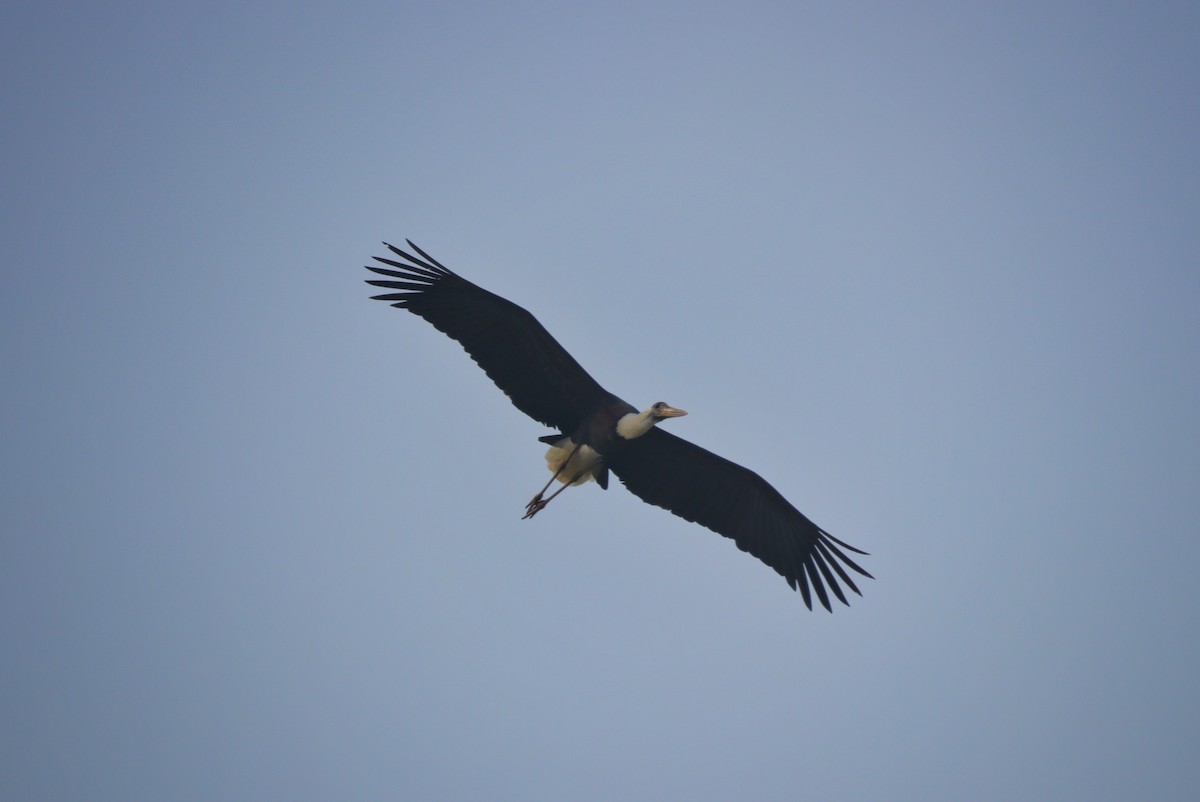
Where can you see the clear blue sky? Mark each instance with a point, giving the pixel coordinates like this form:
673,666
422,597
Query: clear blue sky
931,268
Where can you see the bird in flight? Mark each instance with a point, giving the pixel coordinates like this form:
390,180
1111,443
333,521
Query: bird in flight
597,432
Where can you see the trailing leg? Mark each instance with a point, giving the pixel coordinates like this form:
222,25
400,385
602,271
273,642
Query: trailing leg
536,501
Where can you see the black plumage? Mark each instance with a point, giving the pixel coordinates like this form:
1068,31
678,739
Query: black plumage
547,384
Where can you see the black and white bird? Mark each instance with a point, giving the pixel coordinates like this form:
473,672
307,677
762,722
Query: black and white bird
597,432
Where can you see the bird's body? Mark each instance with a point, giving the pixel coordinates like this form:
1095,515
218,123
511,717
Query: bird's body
613,424
597,432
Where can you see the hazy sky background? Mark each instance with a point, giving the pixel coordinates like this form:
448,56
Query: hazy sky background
930,268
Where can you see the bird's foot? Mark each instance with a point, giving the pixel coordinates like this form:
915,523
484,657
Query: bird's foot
533,508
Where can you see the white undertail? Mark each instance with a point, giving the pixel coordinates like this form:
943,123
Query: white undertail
586,460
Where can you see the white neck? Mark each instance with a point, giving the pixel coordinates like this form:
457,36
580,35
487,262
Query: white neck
635,424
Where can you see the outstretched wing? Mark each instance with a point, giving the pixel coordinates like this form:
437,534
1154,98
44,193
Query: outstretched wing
517,353
697,485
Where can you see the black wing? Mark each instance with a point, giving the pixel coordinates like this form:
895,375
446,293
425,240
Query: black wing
517,353
699,486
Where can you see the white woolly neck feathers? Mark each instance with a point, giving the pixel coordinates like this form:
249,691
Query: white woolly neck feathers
636,424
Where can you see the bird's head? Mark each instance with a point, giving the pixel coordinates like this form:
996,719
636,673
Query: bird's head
662,410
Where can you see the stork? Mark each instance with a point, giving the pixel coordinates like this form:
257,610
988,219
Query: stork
597,432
